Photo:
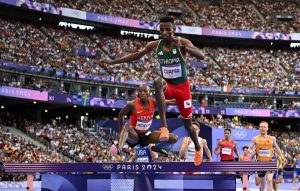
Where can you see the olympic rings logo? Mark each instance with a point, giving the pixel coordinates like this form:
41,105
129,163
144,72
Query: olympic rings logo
239,134
107,166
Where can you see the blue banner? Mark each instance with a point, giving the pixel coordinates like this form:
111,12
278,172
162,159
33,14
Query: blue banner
131,182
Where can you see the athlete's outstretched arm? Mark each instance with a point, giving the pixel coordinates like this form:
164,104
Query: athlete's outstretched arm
190,48
187,45
133,56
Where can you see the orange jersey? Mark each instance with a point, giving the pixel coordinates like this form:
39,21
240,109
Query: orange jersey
142,117
264,148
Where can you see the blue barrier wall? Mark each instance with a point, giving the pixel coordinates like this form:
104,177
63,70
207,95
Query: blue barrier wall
131,182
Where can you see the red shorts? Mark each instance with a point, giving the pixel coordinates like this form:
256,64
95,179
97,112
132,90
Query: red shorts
182,94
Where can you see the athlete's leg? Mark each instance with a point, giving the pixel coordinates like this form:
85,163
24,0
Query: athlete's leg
184,103
269,179
275,185
262,185
245,181
127,134
188,126
159,147
159,85
274,179
294,179
278,181
257,180
153,138
262,180
192,133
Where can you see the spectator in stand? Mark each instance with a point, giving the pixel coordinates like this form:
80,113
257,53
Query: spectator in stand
203,102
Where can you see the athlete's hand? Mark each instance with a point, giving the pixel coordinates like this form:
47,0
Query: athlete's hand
217,153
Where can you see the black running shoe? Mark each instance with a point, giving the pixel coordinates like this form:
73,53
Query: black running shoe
161,151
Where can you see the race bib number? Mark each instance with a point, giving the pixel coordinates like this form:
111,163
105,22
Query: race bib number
142,125
171,72
226,151
298,166
264,153
142,159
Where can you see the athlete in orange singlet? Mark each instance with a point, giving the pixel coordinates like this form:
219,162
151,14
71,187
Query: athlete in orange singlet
264,145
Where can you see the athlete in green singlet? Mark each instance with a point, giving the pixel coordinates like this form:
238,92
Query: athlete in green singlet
174,84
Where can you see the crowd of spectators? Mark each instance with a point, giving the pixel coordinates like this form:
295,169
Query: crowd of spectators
231,14
289,144
72,141
17,149
224,122
252,68
270,9
234,14
49,48
66,139
181,13
120,8
291,61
